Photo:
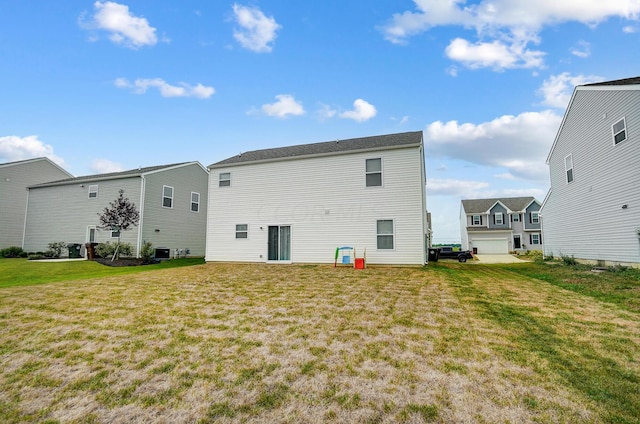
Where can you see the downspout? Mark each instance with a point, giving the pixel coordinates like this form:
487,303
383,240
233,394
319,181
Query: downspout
24,226
423,188
141,221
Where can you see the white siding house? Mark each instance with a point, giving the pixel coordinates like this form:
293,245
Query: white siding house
592,210
15,177
299,203
500,225
171,200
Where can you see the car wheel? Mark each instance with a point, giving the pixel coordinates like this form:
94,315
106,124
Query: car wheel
462,258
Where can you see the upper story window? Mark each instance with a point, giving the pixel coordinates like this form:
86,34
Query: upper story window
498,218
93,191
167,197
374,172
476,220
385,233
115,233
224,179
516,217
568,168
242,231
195,202
619,130
535,217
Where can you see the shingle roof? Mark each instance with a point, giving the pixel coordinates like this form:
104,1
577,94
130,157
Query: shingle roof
483,205
378,142
109,176
625,81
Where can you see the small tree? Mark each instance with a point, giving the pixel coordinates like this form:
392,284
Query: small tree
120,216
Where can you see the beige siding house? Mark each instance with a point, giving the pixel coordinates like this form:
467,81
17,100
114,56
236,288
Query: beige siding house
299,203
592,210
171,199
15,177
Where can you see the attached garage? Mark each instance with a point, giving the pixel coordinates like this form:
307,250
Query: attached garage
491,246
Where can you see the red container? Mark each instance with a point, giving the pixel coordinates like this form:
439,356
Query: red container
359,264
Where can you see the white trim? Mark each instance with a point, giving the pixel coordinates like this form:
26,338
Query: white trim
90,191
191,202
566,169
393,234
163,197
381,172
220,180
143,187
624,129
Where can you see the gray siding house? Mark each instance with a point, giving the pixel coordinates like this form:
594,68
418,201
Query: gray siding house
592,210
297,204
500,225
171,199
15,177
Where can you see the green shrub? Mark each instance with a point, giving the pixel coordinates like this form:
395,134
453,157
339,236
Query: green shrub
146,252
11,252
55,249
105,250
35,256
535,255
569,260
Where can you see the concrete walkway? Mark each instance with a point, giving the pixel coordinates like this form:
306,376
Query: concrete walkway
496,259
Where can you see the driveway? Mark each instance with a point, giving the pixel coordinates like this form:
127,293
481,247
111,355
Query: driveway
496,259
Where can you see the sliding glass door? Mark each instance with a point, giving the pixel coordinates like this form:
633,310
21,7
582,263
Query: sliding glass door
279,243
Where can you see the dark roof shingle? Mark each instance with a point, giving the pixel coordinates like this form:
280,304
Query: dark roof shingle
624,81
328,147
483,205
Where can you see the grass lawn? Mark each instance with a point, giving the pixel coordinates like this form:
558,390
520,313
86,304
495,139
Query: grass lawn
259,343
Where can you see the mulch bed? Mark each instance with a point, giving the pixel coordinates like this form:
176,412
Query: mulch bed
122,262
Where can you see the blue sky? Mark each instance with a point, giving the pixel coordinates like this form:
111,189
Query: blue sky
108,86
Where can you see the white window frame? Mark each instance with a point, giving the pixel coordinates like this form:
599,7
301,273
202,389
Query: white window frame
392,234
473,220
167,197
622,131
568,168
499,215
367,173
224,179
196,203
240,231
535,217
535,239
115,233
93,189
516,217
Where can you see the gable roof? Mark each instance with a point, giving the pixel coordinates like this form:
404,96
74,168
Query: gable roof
115,175
515,204
632,83
378,142
25,161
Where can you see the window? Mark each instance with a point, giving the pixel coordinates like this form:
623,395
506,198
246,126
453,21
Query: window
167,197
476,220
385,233
516,217
93,191
224,179
374,172
498,218
115,233
619,130
568,167
242,231
535,217
195,202
534,238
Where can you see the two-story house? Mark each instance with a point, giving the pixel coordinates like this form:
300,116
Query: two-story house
592,210
500,225
15,177
299,203
171,201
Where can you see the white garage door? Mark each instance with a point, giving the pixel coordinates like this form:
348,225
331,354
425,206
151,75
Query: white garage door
492,246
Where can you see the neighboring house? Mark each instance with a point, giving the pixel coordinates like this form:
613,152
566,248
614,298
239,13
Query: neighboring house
171,200
592,210
299,203
500,225
15,177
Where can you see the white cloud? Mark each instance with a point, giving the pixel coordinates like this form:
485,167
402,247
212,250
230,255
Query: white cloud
104,166
519,144
285,106
256,31
629,29
325,112
582,49
504,27
557,89
362,111
124,28
14,148
141,85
